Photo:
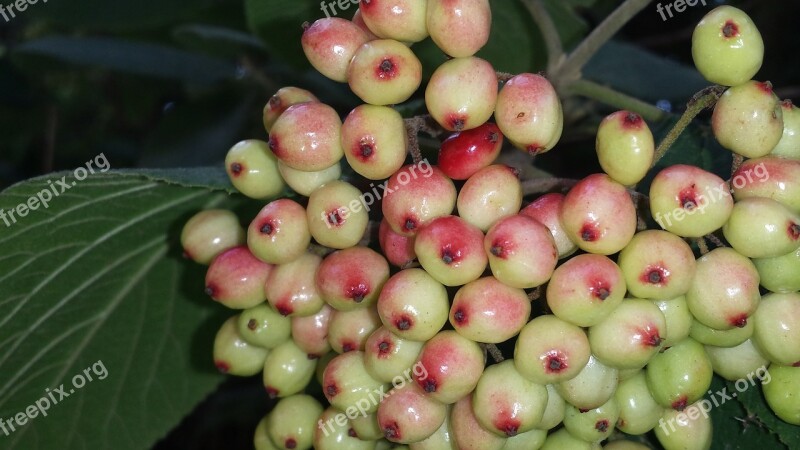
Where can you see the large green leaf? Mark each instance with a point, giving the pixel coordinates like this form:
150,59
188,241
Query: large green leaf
115,15
279,24
97,279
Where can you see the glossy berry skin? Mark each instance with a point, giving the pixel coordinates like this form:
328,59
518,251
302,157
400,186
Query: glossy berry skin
386,355
734,363
727,47
292,421
506,403
562,439
284,98
413,305
352,278
547,210
720,338
527,440
304,183
287,370
638,411
657,264
460,28
310,333
346,382
262,326
330,43
462,93
291,288
521,251
209,233
680,375
777,328
625,147
748,119
261,440
594,385
366,427
408,415
630,335
236,278
487,310
349,330
593,425
235,356
374,140
623,444
307,137
528,111
724,292
453,365
441,439
789,145
337,217
690,429
677,318
384,72
598,215
762,228
253,169
688,201
398,249
554,411
358,19
451,250
402,20
550,350
419,194
279,233
585,289
769,177
491,194
330,435
466,152
783,392
780,274
468,432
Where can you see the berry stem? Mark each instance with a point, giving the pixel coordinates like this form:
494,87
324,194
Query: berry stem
737,162
704,99
535,294
702,245
494,352
616,99
555,50
413,126
715,240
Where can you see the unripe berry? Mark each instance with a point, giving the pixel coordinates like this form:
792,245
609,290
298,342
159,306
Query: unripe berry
262,326
292,421
287,370
279,233
593,425
690,429
678,193
337,218
762,228
491,194
547,210
735,363
780,274
346,383
549,350
769,177
330,435
304,183
777,328
464,153
789,145
367,427
209,233
408,415
349,330
727,47
291,288
235,356
310,333
451,250
585,289
452,366
657,264
521,251
358,19
402,20
487,310
599,215
507,403
441,439
236,278
724,292
398,249
625,147
307,137
386,355
594,385
562,439
460,28
623,444
352,278
374,140
680,375
253,169
413,305
532,439
782,392
284,98
468,432
528,111
638,411
384,72
462,93
330,43
554,411
415,200
748,119
720,338
261,439
677,318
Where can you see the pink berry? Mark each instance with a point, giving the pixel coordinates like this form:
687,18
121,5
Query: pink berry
415,195
521,251
459,27
546,210
585,289
281,100
490,194
453,365
236,278
451,250
349,330
398,249
528,111
487,310
310,333
307,136
407,415
329,45
402,20
352,278
291,288
462,93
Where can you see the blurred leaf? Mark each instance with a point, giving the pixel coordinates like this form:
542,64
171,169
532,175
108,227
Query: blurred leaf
117,14
129,57
279,23
97,279
515,44
571,28
216,40
759,412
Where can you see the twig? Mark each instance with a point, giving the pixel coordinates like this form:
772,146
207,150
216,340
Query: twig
617,99
702,245
412,130
737,162
504,76
555,50
535,294
544,185
495,352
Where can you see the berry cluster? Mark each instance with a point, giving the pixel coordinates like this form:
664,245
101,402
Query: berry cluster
631,324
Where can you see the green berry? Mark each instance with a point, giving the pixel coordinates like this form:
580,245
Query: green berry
384,72
462,93
789,145
403,20
594,385
386,354
690,429
529,113
490,194
625,147
291,288
253,169
629,336
263,326
638,410
450,367
748,119
408,415
550,350
450,249
413,305
261,439
287,370
777,328
346,383
563,439
593,425
367,427
657,264
720,338
528,440
782,391
233,355
735,363
209,233
292,422
349,330
304,183
279,233
762,228
769,177
460,28
374,139
333,432
680,375
468,432
780,274
554,411
522,252
337,218
678,320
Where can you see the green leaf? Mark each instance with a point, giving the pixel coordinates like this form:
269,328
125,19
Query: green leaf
216,40
279,24
760,414
116,15
129,57
515,44
96,281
